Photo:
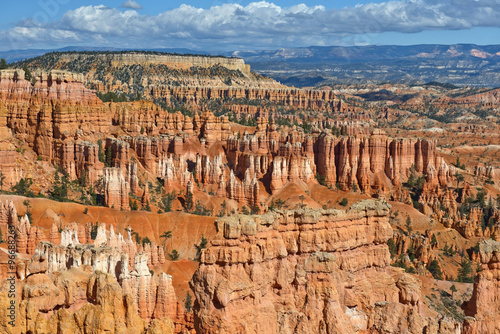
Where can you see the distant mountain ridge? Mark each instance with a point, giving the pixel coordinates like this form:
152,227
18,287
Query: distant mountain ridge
459,64
370,53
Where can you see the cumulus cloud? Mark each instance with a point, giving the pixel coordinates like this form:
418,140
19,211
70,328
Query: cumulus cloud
131,4
257,25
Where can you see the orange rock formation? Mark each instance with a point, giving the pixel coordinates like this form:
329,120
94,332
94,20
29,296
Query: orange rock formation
305,272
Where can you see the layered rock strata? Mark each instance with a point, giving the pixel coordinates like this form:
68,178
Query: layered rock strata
484,305
26,236
116,189
307,272
62,284
171,146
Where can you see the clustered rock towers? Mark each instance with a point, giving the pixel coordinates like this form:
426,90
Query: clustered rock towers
243,167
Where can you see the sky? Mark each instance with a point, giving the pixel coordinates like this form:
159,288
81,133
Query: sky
225,25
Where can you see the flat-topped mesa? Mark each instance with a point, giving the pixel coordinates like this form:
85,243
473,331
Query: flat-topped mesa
183,62
484,304
300,271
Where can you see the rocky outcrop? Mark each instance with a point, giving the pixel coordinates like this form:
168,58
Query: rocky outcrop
107,280
116,189
26,236
370,162
288,97
488,172
11,170
141,294
203,149
306,271
484,305
420,245
78,301
47,86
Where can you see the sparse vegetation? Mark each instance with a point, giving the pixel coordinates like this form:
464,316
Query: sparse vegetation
165,236
3,64
22,188
435,269
465,272
202,245
174,255
59,190
188,202
188,302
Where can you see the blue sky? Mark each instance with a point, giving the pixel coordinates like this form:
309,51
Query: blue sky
245,25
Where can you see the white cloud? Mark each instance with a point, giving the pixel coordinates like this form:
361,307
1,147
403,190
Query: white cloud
131,4
257,25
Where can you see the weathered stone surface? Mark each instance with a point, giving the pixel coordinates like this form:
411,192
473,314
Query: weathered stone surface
116,189
484,305
306,271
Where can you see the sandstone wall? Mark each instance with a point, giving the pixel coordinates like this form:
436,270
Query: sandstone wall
484,305
307,272
175,61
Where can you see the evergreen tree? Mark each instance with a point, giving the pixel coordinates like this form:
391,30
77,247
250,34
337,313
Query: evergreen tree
166,235
83,178
22,188
101,156
133,204
408,225
3,64
174,255
27,204
201,246
188,302
145,241
59,191
459,178
393,249
27,73
109,157
435,270
188,203
453,289
167,201
434,240
2,179
465,273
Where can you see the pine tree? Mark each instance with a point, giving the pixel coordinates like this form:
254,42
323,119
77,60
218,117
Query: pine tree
174,255
435,270
408,225
201,246
188,203
3,64
188,302
2,178
109,157
101,156
453,289
465,274
27,73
